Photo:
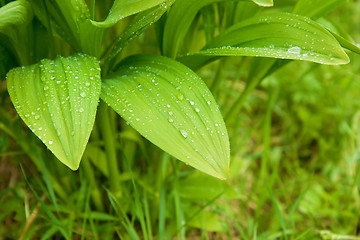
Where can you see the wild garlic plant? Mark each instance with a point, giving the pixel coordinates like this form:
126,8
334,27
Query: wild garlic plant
68,62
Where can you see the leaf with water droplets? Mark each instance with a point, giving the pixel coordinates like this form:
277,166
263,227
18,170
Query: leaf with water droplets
57,99
275,35
172,107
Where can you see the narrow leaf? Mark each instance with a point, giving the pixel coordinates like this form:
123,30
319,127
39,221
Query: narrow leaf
346,43
141,22
264,3
180,18
173,108
277,35
315,8
178,23
15,18
124,8
57,99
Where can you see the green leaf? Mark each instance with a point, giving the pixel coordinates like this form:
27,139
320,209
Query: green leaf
179,20
201,186
315,8
178,23
264,3
70,19
124,8
172,107
15,19
276,35
346,43
141,22
57,99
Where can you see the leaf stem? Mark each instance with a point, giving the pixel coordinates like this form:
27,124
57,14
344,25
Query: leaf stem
92,9
256,75
110,150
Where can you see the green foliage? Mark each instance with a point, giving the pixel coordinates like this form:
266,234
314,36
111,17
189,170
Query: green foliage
57,100
166,103
279,35
88,79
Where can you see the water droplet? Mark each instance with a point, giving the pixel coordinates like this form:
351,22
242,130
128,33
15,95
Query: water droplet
180,97
192,103
83,94
184,133
50,142
81,110
295,50
197,110
209,102
37,117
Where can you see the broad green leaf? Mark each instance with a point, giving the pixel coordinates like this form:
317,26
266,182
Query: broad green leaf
179,20
124,8
15,19
172,107
276,35
57,99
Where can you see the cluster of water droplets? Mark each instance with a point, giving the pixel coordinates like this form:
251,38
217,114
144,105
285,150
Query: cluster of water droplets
296,38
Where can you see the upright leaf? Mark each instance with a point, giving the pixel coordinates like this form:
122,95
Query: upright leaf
71,20
276,35
140,23
15,19
315,8
125,8
57,99
179,20
172,107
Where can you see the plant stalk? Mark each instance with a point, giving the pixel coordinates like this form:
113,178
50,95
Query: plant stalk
109,145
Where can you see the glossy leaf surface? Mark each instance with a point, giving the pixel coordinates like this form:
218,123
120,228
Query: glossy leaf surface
173,108
14,20
264,3
124,8
57,99
277,35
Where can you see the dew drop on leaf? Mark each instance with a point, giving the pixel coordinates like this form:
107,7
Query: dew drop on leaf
184,133
180,97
